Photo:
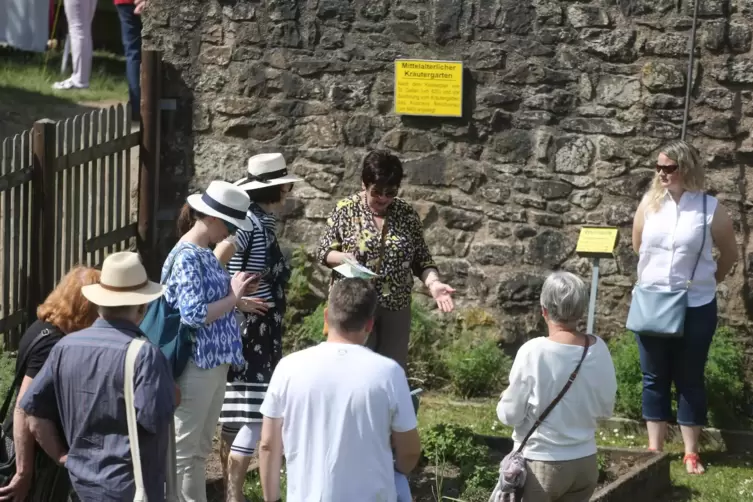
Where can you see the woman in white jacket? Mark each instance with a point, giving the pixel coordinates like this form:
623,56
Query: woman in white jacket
561,453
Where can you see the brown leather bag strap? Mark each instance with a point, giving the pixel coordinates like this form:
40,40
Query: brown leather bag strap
559,397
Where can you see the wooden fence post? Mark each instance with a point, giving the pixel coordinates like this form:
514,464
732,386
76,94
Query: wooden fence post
149,158
42,238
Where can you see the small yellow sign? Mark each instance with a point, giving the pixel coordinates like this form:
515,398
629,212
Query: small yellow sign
433,88
597,241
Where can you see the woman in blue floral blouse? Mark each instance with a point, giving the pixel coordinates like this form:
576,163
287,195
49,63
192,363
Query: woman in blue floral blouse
206,296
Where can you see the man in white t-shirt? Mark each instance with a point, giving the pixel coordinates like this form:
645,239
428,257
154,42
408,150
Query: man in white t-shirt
339,409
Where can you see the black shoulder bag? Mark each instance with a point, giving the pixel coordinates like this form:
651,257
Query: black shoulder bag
7,448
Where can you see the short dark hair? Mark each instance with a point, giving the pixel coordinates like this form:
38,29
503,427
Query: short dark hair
266,195
352,304
381,168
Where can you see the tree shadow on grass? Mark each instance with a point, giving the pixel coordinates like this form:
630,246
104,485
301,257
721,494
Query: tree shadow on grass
19,109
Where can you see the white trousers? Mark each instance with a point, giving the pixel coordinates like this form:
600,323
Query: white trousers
80,14
202,392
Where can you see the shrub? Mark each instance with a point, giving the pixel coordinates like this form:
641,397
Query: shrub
456,445
429,338
728,397
477,368
307,332
726,391
627,366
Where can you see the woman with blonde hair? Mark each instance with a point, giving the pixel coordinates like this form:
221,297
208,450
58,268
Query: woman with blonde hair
38,478
674,229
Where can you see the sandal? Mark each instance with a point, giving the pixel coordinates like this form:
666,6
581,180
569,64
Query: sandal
696,467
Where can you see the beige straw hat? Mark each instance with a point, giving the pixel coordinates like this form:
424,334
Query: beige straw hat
123,282
266,170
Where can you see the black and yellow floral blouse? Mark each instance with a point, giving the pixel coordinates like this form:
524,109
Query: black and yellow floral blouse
351,229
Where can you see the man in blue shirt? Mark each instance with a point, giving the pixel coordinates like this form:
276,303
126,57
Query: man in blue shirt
80,391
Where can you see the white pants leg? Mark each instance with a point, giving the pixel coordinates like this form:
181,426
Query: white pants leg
202,392
80,14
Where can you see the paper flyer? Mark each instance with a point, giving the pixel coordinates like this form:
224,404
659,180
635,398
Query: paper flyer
352,269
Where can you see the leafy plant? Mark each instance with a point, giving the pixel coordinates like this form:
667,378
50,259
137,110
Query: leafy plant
477,368
627,366
456,445
728,398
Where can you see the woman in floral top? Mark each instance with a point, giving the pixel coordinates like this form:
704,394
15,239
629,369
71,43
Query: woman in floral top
384,233
200,288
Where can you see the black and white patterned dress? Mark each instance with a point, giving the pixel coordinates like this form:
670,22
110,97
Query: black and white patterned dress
262,338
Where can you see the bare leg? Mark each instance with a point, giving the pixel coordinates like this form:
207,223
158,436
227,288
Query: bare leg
237,467
657,434
690,436
224,454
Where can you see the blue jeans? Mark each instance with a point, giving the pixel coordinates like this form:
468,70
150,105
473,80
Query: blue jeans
682,361
130,31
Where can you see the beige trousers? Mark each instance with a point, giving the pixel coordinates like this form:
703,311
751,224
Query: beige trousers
202,392
391,334
563,481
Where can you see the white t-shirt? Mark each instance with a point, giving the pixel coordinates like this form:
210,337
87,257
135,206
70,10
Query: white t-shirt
540,371
340,404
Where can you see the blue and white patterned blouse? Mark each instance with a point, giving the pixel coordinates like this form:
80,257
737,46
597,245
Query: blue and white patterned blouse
197,280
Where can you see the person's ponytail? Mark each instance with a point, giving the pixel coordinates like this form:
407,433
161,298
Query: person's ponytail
186,219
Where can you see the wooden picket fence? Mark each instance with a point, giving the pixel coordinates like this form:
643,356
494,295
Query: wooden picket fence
65,199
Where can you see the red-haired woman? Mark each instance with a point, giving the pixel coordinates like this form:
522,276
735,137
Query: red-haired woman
38,478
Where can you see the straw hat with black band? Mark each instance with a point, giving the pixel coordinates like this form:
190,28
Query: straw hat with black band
122,283
225,201
266,170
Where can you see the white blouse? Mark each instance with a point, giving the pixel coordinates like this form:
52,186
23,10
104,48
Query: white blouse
670,244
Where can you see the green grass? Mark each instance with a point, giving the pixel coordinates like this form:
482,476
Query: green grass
27,73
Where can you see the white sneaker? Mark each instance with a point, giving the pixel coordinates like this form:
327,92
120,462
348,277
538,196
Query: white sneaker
66,85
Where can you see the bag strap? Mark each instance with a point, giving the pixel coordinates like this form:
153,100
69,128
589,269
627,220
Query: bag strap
20,373
133,433
703,242
257,224
559,397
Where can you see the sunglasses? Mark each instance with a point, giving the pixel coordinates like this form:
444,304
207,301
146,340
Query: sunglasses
666,169
231,229
384,192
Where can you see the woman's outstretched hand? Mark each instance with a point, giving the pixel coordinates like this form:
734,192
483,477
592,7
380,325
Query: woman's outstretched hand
442,293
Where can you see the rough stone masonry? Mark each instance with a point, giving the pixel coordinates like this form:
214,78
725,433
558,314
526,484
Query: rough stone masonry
565,106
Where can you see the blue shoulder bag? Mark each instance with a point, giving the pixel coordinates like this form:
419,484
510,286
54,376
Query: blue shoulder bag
163,327
662,313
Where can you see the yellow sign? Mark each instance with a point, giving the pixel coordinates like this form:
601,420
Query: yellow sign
433,88
597,241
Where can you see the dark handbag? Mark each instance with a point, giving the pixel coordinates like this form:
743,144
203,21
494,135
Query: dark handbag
163,327
512,469
7,448
662,313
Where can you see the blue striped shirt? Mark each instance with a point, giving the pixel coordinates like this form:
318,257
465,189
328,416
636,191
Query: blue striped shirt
81,386
259,240
198,279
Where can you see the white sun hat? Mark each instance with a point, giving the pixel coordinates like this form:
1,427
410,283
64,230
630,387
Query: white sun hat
266,170
122,283
225,201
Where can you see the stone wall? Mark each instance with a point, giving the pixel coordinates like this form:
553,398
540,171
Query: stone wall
565,107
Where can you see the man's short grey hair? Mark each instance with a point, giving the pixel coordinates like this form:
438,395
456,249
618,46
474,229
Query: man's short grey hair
352,304
565,298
